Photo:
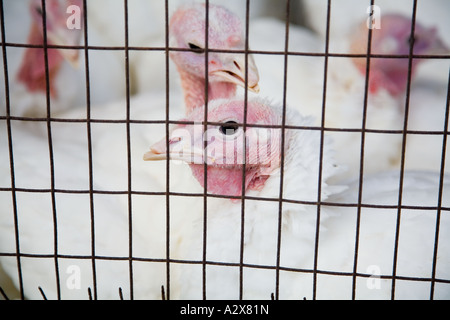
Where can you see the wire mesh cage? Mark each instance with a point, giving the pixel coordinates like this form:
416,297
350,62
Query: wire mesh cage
364,215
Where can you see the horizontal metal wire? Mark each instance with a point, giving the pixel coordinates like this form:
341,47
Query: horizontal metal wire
218,196
211,123
218,263
249,51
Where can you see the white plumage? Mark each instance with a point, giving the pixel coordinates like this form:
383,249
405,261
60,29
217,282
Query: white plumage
107,76
344,95
345,13
148,67
148,215
427,114
337,233
70,81
429,89
112,210
71,173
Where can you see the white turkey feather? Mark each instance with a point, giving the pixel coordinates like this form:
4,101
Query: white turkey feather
72,203
344,95
336,238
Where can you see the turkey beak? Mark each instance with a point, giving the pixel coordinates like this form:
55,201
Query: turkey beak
157,152
234,71
180,148
69,38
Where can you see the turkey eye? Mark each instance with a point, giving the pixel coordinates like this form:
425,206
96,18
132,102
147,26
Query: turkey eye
39,11
229,128
195,48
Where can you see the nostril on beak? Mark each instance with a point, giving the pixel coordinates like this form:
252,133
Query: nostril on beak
237,65
175,140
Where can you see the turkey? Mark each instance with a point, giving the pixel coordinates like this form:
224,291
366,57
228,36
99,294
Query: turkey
225,71
428,92
119,227
345,13
106,65
71,166
276,243
147,45
26,66
187,32
345,85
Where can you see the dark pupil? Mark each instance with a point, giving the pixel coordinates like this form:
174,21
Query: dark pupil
229,128
39,11
196,48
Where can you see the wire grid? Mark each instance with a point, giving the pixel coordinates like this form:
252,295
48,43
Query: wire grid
165,289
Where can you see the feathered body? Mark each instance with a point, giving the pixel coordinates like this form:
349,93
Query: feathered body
84,229
344,99
339,97
87,226
300,229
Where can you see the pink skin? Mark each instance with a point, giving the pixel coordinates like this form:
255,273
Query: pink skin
32,69
394,39
225,70
225,153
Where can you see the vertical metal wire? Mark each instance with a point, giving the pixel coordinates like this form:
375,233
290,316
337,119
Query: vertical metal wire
42,293
441,191
167,61
361,163
129,160
50,149
403,154
244,167
205,166
322,138
282,144
11,151
89,140
3,294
